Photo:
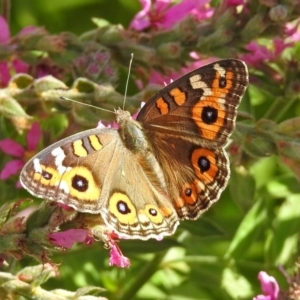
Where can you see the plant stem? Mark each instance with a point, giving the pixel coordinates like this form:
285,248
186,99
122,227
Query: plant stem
5,9
150,268
279,108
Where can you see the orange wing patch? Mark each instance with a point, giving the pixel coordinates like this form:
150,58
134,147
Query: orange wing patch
209,130
162,105
209,113
205,165
178,96
189,194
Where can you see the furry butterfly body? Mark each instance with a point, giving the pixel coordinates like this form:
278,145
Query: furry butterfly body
168,164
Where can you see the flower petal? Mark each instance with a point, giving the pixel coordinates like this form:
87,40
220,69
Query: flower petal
33,136
11,147
4,74
117,258
4,31
257,54
29,29
20,66
292,31
262,297
11,168
179,11
141,19
269,285
69,237
234,2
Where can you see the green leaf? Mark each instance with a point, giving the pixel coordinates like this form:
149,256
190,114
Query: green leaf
10,107
150,246
247,230
202,227
5,210
242,187
88,290
100,22
236,285
39,274
284,238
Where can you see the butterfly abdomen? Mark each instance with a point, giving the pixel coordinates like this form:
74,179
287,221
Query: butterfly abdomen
137,142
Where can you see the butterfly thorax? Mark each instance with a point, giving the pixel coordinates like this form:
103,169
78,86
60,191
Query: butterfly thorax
136,141
132,133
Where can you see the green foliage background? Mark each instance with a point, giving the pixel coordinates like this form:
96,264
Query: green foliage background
253,227
70,15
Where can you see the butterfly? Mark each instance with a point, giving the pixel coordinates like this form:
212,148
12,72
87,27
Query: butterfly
167,165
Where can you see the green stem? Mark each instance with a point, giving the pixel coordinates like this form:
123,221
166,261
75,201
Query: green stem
5,9
279,108
146,273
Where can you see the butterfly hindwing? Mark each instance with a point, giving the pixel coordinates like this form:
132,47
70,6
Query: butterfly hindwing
94,173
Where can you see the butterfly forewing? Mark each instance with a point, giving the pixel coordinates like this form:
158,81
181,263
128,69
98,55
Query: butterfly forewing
200,106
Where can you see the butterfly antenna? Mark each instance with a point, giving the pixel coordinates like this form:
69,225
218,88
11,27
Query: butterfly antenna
127,81
90,105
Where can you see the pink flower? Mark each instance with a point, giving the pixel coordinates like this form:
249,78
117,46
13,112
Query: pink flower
158,78
15,65
20,153
235,2
163,14
260,53
292,32
280,45
257,54
100,125
269,287
116,256
68,238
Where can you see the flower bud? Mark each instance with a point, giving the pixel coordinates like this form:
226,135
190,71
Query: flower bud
254,27
110,35
278,13
218,38
170,50
10,107
48,83
20,81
